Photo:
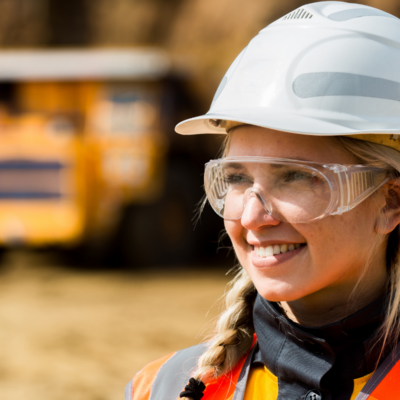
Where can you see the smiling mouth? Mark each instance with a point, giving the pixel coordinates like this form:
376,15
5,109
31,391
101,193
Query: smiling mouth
276,249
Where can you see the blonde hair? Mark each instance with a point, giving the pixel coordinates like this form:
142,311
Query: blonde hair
234,329
383,156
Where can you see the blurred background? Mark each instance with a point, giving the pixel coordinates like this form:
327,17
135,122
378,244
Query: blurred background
101,269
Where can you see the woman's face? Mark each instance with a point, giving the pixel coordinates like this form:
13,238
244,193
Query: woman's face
333,250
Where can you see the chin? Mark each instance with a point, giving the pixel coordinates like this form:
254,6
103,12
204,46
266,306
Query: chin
280,294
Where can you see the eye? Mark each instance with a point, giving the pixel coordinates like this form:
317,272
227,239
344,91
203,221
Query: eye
291,176
236,179
303,177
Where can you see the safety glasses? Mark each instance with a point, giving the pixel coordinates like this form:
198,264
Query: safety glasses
289,190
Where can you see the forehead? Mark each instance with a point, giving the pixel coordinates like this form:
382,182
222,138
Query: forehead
256,141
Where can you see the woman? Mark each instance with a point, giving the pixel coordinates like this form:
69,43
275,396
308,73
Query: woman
309,190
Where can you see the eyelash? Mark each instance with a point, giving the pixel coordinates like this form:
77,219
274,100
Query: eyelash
314,179
230,178
294,174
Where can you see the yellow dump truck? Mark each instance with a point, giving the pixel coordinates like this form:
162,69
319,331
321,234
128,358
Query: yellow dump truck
80,139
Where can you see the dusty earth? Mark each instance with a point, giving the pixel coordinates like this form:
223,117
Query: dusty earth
68,334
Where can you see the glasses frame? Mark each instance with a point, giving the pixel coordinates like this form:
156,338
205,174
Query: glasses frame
346,181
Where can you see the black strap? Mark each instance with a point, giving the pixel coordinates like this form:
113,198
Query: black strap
194,389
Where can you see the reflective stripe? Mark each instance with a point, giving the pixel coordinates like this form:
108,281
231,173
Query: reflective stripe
244,375
128,391
383,378
175,373
345,15
317,84
224,388
143,381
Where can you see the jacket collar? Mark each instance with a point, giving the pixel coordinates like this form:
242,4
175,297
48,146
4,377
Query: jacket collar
326,358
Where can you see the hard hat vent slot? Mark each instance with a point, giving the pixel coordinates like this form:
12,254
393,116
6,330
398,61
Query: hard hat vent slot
300,13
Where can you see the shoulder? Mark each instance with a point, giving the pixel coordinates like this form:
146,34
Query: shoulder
166,377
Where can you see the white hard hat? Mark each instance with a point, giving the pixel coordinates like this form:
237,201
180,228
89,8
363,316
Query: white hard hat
327,68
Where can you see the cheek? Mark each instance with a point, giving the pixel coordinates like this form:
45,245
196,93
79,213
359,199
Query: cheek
235,230
343,237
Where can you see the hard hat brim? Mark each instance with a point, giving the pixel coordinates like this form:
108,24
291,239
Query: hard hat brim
287,122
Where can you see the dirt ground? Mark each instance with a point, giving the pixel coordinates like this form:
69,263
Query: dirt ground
68,334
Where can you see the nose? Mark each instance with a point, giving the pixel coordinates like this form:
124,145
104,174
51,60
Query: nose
255,216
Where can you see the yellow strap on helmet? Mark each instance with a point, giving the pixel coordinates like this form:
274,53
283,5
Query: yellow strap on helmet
231,124
385,139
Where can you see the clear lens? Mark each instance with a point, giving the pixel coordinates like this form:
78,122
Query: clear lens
288,191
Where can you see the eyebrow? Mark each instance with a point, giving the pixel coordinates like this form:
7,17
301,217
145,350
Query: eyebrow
240,167
233,165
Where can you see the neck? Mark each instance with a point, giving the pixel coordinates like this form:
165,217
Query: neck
320,309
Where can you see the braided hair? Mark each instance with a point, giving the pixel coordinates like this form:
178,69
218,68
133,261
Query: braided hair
234,333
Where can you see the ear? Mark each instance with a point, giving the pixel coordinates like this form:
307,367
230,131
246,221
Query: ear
390,213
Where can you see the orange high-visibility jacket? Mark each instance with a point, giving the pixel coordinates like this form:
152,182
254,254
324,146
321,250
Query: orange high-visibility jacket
165,378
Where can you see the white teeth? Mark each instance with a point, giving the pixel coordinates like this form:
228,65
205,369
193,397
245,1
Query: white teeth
269,251
275,249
